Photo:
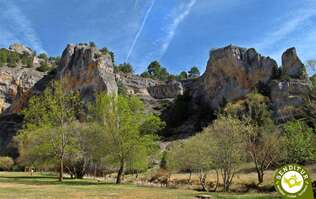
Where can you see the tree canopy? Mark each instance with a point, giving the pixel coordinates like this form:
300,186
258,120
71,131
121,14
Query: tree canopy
48,131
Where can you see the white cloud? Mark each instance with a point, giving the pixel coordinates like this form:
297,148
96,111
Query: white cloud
296,28
291,24
176,17
18,27
139,32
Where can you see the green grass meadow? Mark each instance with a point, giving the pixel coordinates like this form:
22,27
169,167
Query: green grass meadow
15,185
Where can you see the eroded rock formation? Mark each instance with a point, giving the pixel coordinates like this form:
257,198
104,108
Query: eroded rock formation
231,72
292,65
85,68
15,82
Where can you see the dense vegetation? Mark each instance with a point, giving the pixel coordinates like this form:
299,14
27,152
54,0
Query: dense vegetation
114,134
243,132
12,59
58,131
156,71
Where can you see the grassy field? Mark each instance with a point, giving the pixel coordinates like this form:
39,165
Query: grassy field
21,185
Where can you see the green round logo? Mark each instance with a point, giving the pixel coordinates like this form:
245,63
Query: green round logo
293,181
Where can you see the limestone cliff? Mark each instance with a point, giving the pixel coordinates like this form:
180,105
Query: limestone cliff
231,73
15,82
85,68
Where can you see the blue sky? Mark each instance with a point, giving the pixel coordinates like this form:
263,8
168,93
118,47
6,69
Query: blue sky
178,33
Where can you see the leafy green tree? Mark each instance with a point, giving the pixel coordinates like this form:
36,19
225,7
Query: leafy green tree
194,72
145,74
112,56
155,70
300,142
152,125
44,67
264,143
192,155
124,68
163,75
4,53
120,119
253,107
54,60
27,60
228,146
48,133
43,56
92,44
182,76
6,163
13,59
88,149
107,51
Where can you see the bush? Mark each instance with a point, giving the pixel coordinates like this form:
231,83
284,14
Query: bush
4,53
12,65
44,67
6,163
43,56
300,142
124,68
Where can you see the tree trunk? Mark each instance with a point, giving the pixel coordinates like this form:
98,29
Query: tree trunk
226,180
190,177
120,173
217,181
203,177
95,171
260,176
61,169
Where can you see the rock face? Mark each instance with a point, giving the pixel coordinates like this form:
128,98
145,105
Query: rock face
187,106
139,86
82,67
86,69
19,48
136,85
232,72
292,65
15,82
169,90
287,96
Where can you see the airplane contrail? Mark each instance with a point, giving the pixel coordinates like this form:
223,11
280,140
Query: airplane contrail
140,30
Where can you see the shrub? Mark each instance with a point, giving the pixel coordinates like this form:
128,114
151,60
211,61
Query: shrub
124,68
300,142
6,163
43,56
44,67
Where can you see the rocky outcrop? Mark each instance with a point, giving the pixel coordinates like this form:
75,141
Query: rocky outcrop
140,87
292,65
19,48
85,68
169,90
232,72
187,106
15,82
288,97
82,67
134,84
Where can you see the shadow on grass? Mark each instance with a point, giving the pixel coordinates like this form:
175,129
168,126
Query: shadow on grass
48,180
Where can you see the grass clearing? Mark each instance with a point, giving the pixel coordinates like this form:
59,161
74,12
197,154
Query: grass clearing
15,185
